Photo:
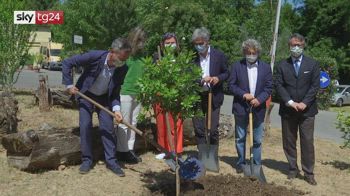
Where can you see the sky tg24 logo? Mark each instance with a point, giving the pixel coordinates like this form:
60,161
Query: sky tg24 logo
38,17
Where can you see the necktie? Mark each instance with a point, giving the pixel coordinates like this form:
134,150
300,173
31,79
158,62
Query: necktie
296,66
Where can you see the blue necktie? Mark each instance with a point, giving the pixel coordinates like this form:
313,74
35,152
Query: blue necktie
296,66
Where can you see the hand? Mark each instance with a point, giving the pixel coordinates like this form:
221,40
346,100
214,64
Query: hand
294,106
73,90
214,80
255,102
118,116
248,97
206,79
301,106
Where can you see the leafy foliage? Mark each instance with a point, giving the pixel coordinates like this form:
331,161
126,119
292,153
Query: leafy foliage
14,43
343,124
171,83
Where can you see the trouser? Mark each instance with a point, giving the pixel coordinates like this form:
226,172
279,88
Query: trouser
200,124
241,124
162,136
86,110
290,127
130,110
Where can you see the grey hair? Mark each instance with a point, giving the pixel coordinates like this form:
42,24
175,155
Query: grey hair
120,44
201,33
251,44
297,36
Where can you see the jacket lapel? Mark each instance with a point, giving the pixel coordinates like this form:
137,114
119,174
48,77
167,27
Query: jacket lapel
211,62
291,66
258,79
245,74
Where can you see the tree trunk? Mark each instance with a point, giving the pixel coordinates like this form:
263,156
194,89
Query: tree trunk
59,97
43,94
48,148
8,114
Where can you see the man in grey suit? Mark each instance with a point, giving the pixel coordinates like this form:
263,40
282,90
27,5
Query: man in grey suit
297,81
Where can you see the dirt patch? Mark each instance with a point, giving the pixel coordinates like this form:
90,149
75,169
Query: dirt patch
162,183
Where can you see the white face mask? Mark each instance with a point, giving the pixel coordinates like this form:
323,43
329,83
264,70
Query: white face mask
251,58
296,51
172,46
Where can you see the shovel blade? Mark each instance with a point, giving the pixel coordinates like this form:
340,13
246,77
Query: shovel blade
208,155
190,169
254,171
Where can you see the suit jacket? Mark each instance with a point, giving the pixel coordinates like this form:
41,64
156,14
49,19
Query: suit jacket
239,85
217,67
93,63
301,88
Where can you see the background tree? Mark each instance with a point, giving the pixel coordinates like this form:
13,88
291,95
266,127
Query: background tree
14,43
99,22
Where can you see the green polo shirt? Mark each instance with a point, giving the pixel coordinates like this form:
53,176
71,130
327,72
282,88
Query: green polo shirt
135,71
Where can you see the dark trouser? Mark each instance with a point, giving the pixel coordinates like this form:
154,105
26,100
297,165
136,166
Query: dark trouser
200,124
86,110
290,127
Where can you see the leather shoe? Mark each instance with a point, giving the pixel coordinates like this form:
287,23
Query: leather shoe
85,167
239,169
310,179
128,157
292,174
117,171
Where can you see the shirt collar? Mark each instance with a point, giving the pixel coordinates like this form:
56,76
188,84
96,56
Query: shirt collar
299,59
253,65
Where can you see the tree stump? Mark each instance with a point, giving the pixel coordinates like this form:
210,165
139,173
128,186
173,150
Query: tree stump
58,97
43,94
8,114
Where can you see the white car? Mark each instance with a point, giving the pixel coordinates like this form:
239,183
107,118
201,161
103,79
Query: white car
342,95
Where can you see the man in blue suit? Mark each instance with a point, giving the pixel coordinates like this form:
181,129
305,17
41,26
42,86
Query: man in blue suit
103,75
214,72
251,84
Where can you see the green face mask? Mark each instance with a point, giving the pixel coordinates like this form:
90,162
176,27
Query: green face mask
296,51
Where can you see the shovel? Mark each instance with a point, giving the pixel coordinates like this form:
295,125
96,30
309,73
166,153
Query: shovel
208,154
190,169
253,170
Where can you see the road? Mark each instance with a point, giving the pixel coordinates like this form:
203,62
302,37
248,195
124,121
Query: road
325,127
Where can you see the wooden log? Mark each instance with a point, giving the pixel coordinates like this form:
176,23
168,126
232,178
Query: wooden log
58,97
43,94
8,113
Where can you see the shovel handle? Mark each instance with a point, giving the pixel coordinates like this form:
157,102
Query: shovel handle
250,128
138,131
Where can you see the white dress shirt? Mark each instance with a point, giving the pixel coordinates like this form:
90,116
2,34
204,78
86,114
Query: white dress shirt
205,64
252,76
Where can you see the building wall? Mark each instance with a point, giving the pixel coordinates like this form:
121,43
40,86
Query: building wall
42,37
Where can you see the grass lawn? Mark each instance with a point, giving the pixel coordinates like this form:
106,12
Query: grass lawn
337,109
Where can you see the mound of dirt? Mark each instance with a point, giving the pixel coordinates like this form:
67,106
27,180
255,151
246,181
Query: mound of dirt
163,183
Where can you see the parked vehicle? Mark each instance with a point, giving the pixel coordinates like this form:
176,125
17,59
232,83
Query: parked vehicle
342,95
52,59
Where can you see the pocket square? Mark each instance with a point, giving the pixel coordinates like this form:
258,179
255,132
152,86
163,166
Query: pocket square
305,72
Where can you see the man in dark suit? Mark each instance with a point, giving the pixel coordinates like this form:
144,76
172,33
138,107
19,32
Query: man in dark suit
297,82
214,72
103,75
251,84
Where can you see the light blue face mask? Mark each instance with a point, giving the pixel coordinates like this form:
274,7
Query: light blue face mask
201,48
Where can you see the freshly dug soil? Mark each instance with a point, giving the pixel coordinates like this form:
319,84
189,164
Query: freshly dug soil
163,183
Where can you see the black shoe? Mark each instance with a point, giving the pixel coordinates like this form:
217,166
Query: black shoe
85,167
128,157
292,175
239,169
310,179
134,156
117,171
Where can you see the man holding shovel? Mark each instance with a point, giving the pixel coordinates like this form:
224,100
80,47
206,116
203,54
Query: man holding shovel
251,84
104,73
214,72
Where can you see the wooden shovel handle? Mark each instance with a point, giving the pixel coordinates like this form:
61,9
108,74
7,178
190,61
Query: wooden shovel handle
138,131
251,128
